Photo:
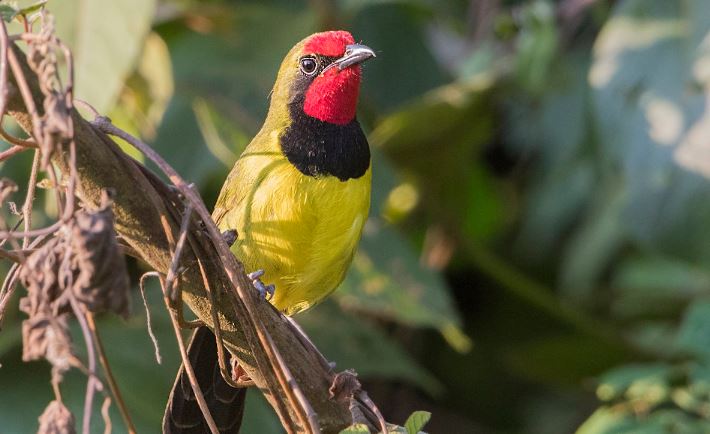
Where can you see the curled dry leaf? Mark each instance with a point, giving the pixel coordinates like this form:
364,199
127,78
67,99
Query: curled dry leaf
345,386
101,280
83,258
56,125
56,419
40,275
46,335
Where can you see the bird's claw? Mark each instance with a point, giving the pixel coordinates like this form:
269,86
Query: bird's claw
230,237
265,291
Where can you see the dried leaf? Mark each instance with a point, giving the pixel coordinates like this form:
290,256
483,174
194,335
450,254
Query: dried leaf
102,279
345,386
40,275
45,335
56,419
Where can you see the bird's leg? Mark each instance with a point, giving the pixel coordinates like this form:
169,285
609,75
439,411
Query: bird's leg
239,376
265,291
230,237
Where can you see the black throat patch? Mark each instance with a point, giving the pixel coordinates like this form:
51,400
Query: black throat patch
318,148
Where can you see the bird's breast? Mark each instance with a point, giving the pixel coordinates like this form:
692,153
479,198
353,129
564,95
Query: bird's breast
303,231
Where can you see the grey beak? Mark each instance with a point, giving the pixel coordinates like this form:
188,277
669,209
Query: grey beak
354,54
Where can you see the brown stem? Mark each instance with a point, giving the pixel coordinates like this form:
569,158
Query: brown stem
4,155
108,372
186,362
141,201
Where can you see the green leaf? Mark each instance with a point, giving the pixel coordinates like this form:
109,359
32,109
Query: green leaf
106,38
32,8
416,421
612,420
653,285
145,95
694,333
648,382
357,428
387,279
8,13
587,254
652,120
536,44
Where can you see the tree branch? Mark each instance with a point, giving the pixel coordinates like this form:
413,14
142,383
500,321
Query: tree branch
143,207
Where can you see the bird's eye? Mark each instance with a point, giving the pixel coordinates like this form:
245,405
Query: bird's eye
309,65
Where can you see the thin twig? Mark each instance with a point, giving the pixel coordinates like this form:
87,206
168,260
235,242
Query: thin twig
304,411
68,207
26,93
156,347
221,357
185,359
8,289
172,271
4,46
22,143
14,257
106,415
4,155
91,384
29,199
108,373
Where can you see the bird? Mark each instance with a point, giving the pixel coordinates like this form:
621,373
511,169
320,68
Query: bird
297,198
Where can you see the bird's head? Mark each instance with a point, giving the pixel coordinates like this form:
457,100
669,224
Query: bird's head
320,77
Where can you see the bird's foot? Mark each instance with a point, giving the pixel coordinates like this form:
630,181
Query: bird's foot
265,291
230,237
239,375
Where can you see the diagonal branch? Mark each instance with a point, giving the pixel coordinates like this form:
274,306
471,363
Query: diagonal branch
143,205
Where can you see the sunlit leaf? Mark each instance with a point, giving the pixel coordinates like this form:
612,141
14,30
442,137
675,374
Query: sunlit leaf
653,118
357,428
634,379
146,94
416,421
106,38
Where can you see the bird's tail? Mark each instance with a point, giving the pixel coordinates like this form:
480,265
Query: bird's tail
226,403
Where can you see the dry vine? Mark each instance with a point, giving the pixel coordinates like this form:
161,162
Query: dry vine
75,266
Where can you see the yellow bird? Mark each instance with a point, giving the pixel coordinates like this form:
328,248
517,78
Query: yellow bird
297,198
299,195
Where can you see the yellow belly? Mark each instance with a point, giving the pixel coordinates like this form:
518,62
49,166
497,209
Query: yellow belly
302,231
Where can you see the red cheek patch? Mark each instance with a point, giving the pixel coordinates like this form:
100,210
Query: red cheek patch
331,44
332,97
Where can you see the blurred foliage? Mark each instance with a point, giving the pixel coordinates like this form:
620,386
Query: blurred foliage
540,200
